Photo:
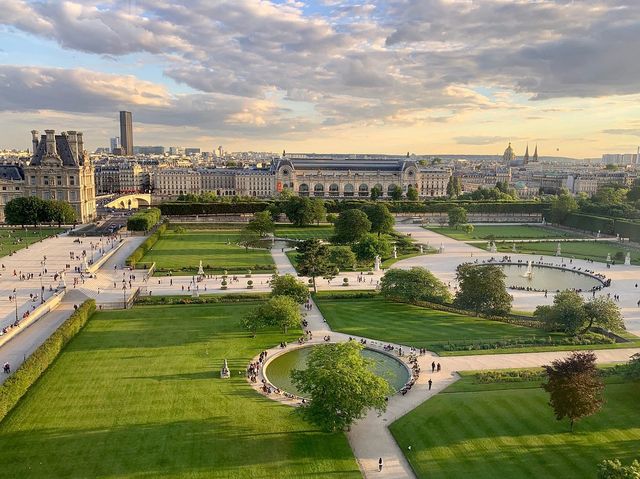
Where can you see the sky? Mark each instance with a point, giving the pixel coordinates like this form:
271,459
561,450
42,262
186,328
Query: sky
327,76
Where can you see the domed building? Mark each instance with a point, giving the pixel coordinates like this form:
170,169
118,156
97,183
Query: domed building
508,155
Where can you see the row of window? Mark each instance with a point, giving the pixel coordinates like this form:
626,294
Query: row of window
52,180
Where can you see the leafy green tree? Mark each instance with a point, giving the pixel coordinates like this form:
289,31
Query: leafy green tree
342,257
562,206
633,368
23,211
468,228
300,210
314,260
613,469
457,216
454,187
318,210
573,315
413,285
574,386
371,246
351,226
249,238
341,385
381,219
280,311
63,213
396,193
412,193
376,192
262,223
288,285
482,290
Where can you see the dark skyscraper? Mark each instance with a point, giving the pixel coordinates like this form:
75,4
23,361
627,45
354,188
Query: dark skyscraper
126,133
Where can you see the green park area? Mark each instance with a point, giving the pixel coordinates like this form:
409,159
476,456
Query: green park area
323,232
181,253
138,393
14,239
593,250
447,333
507,429
503,232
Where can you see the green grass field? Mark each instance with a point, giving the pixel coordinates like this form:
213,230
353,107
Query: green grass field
138,394
595,250
9,238
411,325
476,430
323,232
181,253
501,232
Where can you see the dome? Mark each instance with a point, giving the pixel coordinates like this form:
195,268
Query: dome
509,155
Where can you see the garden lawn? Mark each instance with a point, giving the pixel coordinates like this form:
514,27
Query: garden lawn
402,323
9,237
473,430
595,250
181,253
138,394
501,232
323,232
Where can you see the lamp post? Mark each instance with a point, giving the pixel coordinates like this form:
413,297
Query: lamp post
15,300
124,295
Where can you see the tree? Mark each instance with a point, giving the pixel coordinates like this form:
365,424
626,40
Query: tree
381,219
376,192
457,216
412,193
573,315
290,286
301,211
454,187
314,260
351,226
63,213
342,257
371,246
562,206
613,469
413,285
318,210
633,368
482,290
396,193
262,223
248,238
574,386
468,228
280,311
341,385
23,211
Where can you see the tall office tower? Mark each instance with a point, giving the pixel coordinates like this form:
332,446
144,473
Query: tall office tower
126,133
115,143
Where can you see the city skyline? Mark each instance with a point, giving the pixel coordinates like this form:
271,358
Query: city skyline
327,76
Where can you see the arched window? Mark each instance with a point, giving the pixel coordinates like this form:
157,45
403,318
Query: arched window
348,189
303,190
363,190
318,190
333,190
391,189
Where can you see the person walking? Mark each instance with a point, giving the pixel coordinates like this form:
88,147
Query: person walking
380,464
433,366
430,383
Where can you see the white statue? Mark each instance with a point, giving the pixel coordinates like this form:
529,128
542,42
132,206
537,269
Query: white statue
395,252
627,259
608,257
421,250
200,270
224,372
558,250
376,265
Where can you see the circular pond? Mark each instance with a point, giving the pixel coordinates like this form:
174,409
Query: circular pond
547,278
269,243
278,370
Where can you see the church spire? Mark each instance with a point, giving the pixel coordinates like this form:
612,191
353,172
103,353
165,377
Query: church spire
525,160
535,154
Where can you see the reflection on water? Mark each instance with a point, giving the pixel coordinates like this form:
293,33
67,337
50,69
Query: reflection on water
544,278
278,371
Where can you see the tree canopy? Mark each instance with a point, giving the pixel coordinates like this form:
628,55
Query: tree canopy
342,257
412,193
303,211
371,246
341,386
376,192
381,219
481,289
314,260
288,285
572,314
457,216
413,285
262,223
396,193
351,226
280,311
562,205
574,386
614,469
31,210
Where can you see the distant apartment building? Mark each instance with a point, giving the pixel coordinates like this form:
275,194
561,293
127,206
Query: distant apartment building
126,133
148,150
114,144
123,177
621,159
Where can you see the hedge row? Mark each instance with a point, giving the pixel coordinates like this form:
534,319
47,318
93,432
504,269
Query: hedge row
204,299
141,250
185,209
26,375
628,229
590,223
144,220
582,340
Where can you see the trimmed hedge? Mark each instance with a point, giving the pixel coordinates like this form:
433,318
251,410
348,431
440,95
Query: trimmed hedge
590,223
185,209
628,229
203,299
144,220
582,340
141,250
12,390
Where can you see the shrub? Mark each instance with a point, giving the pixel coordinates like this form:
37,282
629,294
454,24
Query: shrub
143,220
203,299
149,243
249,284
28,373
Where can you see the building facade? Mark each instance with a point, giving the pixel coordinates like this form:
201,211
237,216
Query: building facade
126,133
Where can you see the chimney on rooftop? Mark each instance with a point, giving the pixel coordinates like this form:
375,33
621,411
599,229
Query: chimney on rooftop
51,142
34,140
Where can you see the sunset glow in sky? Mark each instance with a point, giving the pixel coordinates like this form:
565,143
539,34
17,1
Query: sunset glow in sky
426,76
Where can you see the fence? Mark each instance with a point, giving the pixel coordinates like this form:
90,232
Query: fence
126,303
